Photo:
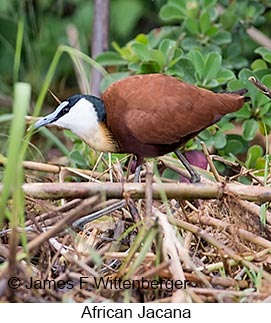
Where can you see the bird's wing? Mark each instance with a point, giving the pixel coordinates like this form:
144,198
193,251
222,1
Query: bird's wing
159,109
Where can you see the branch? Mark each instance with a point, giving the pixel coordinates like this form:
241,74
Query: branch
264,89
259,37
99,39
56,169
219,245
82,209
137,190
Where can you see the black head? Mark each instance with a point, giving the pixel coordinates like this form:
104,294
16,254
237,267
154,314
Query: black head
75,106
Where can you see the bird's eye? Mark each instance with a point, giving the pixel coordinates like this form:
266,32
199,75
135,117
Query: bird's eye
65,110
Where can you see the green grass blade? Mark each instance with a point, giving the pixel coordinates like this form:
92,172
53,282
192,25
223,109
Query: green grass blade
6,117
13,173
146,246
18,51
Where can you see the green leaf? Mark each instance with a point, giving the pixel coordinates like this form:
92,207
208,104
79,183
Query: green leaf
142,38
156,36
266,80
259,64
212,31
225,126
244,180
261,99
260,165
250,128
125,52
220,140
134,67
111,78
169,173
224,75
189,43
238,63
192,25
142,51
77,158
149,67
205,134
170,12
170,53
210,84
220,167
212,66
204,22
193,8
233,147
197,59
110,58
265,110
209,3
159,57
187,69
265,53
177,56
228,19
167,47
222,37
253,12
233,51
244,112
253,154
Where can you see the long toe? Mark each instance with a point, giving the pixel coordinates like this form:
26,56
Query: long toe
195,178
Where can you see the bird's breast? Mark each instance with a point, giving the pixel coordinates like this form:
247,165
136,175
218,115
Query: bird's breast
102,140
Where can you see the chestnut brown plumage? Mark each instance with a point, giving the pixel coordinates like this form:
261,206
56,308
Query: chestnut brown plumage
147,115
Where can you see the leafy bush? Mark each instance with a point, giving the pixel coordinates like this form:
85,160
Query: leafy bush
207,45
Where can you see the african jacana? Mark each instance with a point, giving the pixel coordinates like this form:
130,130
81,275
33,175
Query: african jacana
147,115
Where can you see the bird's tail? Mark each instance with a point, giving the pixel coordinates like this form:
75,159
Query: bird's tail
240,92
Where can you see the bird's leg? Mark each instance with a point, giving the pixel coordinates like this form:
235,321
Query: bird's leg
137,174
137,168
195,177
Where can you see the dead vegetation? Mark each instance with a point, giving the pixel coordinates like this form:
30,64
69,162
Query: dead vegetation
121,249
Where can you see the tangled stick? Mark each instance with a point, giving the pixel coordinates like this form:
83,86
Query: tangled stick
264,89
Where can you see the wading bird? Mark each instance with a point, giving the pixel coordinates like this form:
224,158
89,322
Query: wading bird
147,115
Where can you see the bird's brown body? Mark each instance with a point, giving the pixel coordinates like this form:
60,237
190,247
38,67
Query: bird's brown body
151,115
147,115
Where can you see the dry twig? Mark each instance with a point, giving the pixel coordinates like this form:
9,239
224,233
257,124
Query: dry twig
137,191
264,89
